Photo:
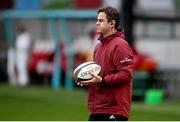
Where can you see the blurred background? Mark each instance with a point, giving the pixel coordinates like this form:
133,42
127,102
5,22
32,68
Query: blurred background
42,41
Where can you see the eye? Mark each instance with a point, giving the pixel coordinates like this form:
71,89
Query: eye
100,20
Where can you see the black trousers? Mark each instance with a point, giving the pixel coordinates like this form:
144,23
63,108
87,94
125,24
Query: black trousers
106,117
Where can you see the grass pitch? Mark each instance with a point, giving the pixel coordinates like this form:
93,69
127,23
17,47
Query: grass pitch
43,103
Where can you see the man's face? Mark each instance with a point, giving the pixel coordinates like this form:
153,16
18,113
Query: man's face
102,25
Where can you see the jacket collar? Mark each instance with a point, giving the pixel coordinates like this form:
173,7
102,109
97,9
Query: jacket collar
119,33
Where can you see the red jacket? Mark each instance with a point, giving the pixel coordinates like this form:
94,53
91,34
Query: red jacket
113,96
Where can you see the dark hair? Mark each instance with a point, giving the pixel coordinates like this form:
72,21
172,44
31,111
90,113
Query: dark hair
112,14
20,29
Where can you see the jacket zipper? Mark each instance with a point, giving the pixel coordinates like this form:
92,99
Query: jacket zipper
94,90
94,87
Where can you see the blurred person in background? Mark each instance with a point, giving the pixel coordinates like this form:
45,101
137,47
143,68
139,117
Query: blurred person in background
109,94
23,42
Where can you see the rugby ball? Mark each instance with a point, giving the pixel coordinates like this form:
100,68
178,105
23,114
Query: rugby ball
82,72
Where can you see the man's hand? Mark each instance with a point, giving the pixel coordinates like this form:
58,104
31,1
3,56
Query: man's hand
95,79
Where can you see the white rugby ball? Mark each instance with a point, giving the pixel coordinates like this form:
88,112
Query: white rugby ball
82,72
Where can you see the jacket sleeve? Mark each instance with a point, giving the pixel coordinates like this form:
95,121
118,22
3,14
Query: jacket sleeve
123,61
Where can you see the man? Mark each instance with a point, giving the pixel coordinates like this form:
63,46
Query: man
23,42
109,94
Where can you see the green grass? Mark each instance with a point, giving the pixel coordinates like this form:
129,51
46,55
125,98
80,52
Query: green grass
38,103
167,111
43,103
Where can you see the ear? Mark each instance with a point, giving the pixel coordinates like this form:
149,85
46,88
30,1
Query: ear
112,23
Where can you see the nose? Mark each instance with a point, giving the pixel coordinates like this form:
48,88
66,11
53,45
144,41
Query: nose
97,22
